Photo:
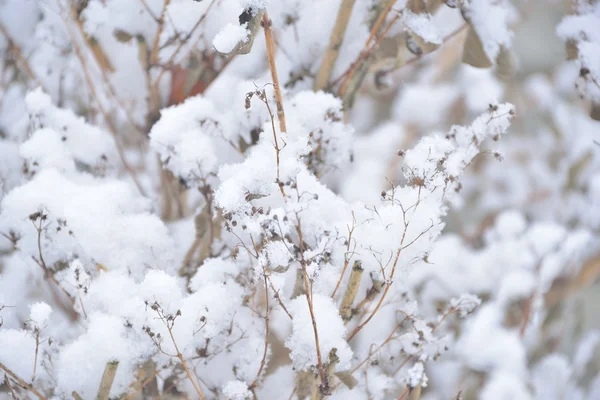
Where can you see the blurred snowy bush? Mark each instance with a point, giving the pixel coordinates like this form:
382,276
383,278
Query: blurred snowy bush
254,199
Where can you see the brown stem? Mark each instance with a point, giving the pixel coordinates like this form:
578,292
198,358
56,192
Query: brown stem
37,350
403,395
372,292
333,360
335,43
346,258
374,30
104,66
10,388
266,23
276,142
310,302
19,55
110,370
171,59
385,291
49,274
101,108
21,382
159,30
278,298
351,291
263,361
364,55
184,364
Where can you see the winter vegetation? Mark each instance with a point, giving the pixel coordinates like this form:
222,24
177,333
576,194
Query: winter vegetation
300,199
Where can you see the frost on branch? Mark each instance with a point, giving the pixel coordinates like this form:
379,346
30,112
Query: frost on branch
490,19
307,248
100,222
320,114
401,229
582,35
40,313
229,37
63,140
185,138
236,390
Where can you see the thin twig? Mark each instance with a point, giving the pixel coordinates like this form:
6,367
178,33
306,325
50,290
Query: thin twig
171,59
309,300
263,361
278,298
101,108
48,273
346,258
37,350
374,30
364,55
159,30
10,388
169,322
263,96
386,290
16,50
102,62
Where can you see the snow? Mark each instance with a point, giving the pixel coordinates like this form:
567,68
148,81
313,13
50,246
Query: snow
465,304
486,347
331,333
85,143
229,37
184,137
416,376
583,29
40,313
491,20
200,237
16,351
101,222
236,390
422,25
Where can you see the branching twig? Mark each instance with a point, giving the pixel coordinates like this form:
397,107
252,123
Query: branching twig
387,287
159,30
92,89
171,60
40,217
366,53
169,321
16,50
346,258
278,298
310,301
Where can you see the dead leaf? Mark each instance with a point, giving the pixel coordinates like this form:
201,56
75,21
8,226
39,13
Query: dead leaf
473,53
